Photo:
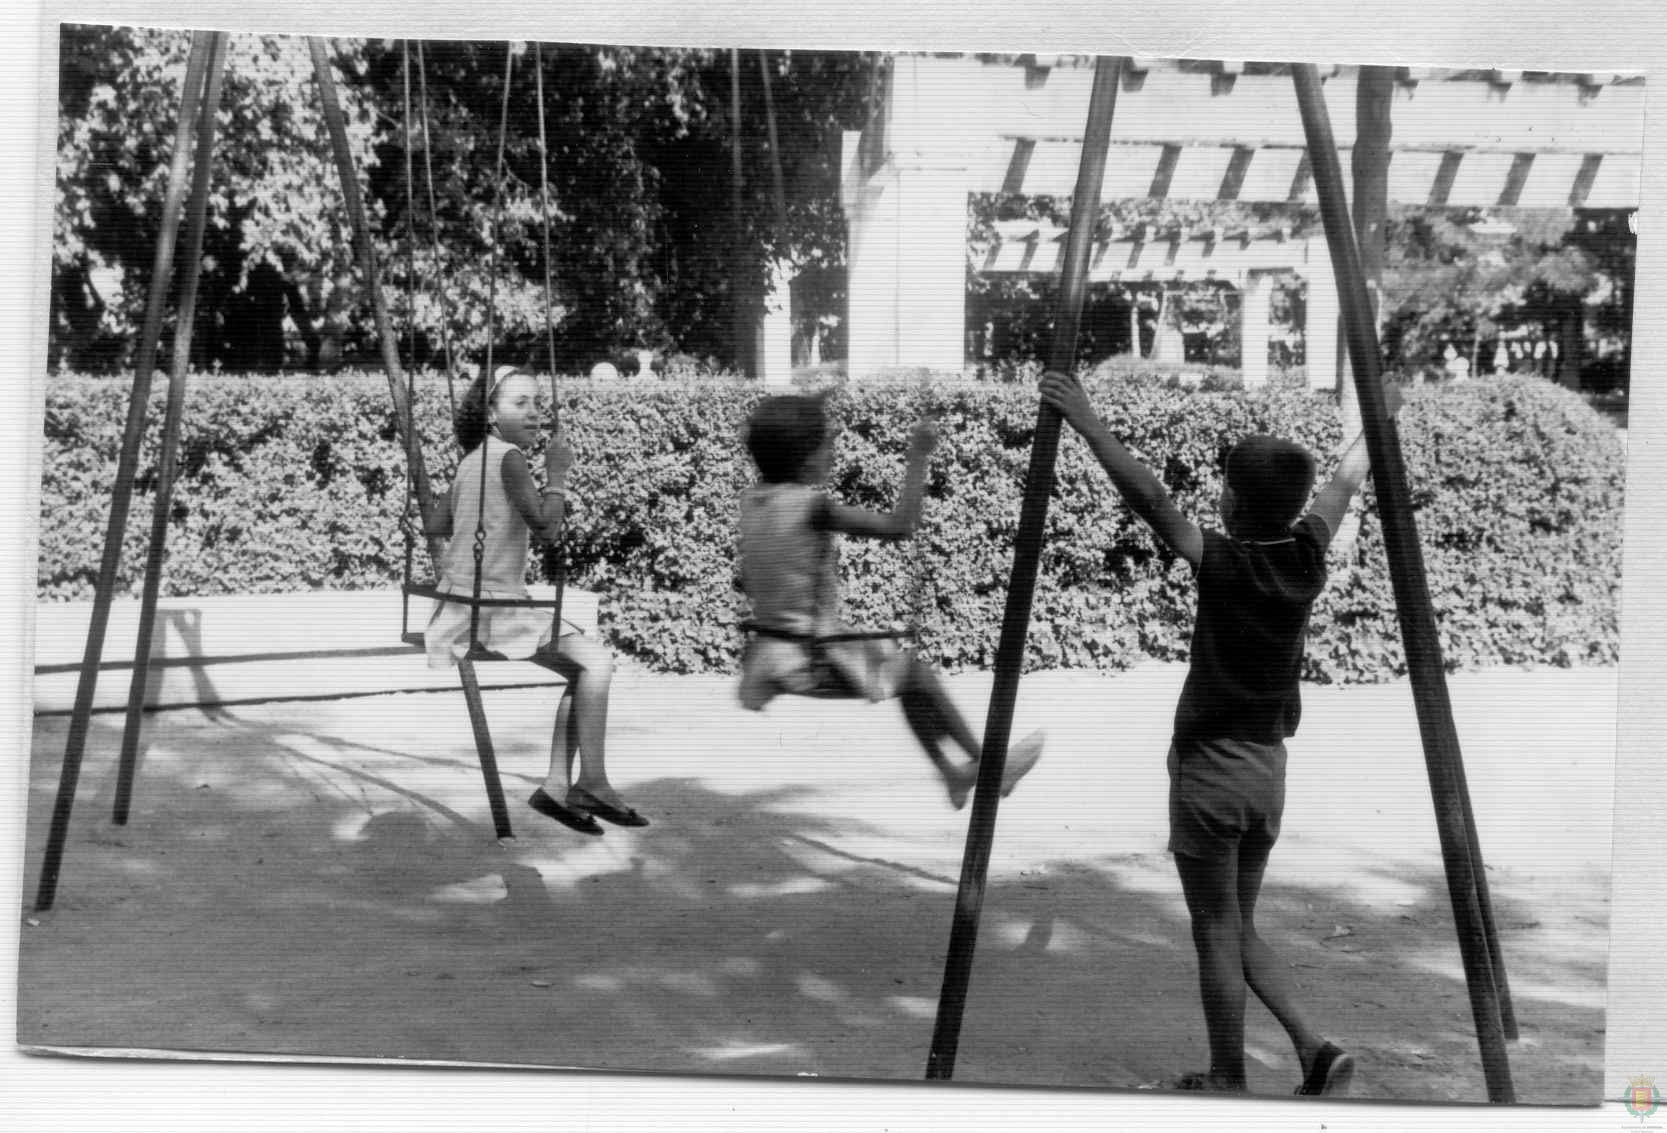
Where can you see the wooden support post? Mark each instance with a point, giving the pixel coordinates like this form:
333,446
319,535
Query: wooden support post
483,746
366,254
122,493
168,461
1484,906
1412,599
1021,588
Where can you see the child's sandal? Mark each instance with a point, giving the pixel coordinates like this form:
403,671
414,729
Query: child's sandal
582,800
1196,1081
1330,1075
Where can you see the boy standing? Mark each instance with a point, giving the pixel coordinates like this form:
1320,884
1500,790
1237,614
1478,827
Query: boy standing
1256,582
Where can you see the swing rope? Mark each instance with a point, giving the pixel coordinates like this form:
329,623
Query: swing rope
816,642
411,329
434,228
476,601
555,565
918,588
476,650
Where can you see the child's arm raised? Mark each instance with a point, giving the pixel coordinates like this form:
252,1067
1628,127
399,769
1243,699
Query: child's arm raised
542,510
1137,484
900,521
1333,501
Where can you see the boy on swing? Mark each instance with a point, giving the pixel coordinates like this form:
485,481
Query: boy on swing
790,571
1256,580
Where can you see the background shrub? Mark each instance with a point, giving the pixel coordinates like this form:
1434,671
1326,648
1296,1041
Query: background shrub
296,483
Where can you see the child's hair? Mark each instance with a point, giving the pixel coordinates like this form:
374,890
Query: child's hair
1271,479
783,433
473,417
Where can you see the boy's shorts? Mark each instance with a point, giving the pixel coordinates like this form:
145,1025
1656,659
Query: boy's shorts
871,669
1224,793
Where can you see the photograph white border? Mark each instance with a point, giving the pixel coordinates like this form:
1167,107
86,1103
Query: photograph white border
1599,35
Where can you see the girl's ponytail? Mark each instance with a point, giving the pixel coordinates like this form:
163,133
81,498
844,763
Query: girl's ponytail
470,421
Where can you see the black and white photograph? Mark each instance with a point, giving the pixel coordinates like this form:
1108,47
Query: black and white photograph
1095,574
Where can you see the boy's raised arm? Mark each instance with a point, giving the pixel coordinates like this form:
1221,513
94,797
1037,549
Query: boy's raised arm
1137,484
1332,504
900,521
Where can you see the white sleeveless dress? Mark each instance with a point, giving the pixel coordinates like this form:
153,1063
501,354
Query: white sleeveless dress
515,632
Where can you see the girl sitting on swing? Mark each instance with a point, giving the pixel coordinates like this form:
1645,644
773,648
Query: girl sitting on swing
790,571
495,420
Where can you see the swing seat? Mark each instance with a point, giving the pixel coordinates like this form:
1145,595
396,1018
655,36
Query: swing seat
416,640
431,591
828,681
577,606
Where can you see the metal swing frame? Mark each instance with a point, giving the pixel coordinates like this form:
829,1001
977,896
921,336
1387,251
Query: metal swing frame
192,158
1483,962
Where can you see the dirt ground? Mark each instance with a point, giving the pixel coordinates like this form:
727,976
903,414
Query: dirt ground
321,879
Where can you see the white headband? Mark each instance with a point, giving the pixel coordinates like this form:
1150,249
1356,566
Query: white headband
499,376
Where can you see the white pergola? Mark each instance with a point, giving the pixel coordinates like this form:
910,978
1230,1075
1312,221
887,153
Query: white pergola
954,126
1252,265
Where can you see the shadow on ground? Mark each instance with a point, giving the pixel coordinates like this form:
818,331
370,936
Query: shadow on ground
285,891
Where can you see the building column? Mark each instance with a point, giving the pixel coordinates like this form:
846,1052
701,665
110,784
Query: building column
1320,336
907,274
1169,346
774,348
1255,306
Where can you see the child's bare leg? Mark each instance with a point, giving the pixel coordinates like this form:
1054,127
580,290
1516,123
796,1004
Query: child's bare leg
1211,890
933,717
589,670
1263,970
564,745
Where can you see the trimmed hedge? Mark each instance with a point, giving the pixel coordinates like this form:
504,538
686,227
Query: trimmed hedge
296,483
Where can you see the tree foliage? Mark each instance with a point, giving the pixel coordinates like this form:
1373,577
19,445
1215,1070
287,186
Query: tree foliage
1452,277
647,249
1449,277
643,247
277,241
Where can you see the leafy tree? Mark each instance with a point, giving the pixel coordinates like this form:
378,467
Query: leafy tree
643,251
1453,277
277,242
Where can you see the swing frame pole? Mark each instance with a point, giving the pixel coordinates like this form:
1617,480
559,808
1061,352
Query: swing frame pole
167,467
740,291
1419,634
366,255
121,497
1021,588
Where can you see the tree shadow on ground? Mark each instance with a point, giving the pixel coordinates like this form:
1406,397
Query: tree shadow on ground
290,892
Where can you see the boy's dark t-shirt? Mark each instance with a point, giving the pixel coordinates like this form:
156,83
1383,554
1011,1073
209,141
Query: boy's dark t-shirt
1247,641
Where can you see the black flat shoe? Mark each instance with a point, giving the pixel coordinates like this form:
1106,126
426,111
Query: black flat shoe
568,817
586,803
1330,1075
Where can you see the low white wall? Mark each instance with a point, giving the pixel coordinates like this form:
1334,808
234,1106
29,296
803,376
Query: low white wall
247,648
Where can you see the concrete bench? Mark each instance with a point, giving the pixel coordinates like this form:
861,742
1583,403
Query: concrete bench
245,649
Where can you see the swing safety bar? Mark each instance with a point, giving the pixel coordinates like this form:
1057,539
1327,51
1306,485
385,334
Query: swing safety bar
830,638
424,590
